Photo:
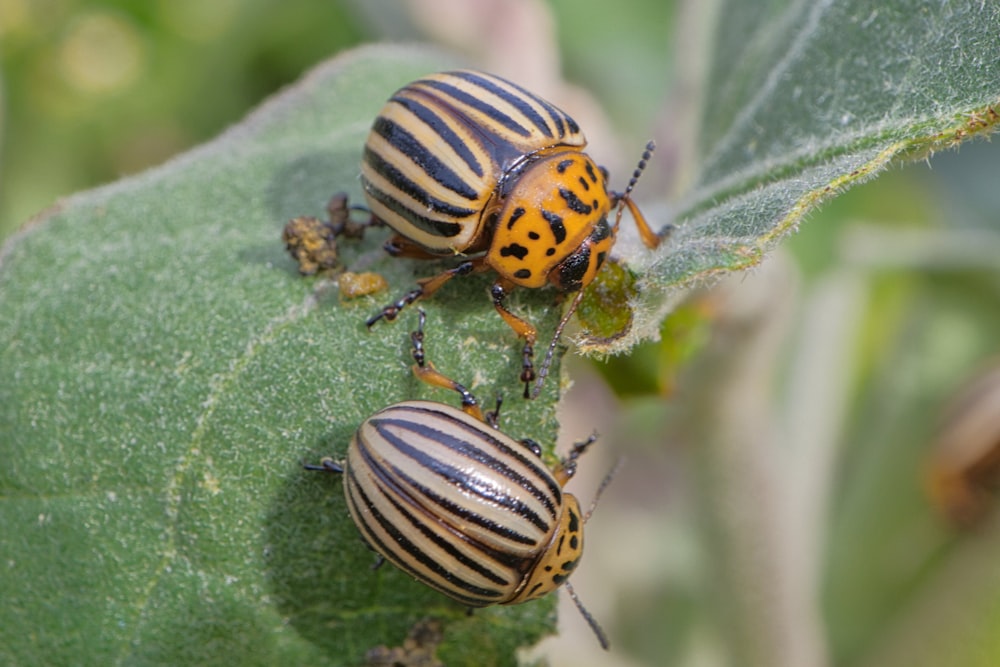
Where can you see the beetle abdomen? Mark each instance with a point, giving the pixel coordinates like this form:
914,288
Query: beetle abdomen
440,147
458,505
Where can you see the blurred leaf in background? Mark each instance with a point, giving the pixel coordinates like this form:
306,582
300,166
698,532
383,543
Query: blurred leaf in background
98,89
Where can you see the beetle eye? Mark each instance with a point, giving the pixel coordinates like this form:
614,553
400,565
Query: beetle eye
602,230
572,270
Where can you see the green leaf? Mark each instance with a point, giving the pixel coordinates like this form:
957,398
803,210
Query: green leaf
801,101
165,371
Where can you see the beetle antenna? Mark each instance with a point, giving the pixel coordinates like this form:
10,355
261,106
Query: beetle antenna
594,625
543,371
605,483
591,621
625,197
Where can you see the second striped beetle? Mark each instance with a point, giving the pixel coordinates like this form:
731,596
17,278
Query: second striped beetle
448,498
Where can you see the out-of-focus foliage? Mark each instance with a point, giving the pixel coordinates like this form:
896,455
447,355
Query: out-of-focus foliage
94,90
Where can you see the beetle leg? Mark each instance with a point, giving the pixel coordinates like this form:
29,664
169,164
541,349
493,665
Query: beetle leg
339,210
425,287
523,330
390,312
493,416
325,465
650,238
400,246
425,371
567,467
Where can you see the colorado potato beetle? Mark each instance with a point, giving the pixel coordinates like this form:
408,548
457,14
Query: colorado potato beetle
448,498
467,163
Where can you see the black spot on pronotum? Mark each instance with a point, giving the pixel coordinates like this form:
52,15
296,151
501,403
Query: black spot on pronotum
556,225
515,214
523,274
584,183
514,250
590,172
549,252
534,236
564,165
574,203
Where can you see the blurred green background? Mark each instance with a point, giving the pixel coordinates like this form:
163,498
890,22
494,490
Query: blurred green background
92,91
96,90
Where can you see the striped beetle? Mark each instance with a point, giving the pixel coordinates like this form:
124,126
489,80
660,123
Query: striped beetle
448,498
466,163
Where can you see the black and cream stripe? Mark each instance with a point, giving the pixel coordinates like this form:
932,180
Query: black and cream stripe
456,504
441,145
